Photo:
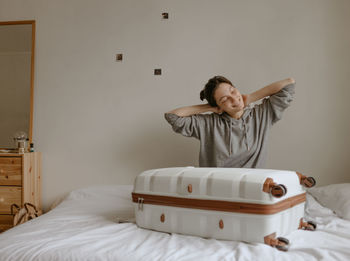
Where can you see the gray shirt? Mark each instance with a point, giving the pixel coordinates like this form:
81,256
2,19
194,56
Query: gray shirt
228,142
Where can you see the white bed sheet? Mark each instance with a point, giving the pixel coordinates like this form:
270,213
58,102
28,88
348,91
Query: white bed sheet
84,227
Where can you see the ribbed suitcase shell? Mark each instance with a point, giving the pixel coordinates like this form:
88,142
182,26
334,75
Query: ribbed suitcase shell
222,184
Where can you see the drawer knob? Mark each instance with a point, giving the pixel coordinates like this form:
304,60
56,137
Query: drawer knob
2,171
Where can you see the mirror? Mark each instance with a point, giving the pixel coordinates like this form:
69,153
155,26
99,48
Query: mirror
17,43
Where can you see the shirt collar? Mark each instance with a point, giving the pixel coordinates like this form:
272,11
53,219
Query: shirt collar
227,117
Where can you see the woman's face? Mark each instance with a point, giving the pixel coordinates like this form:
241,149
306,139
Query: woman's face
228,98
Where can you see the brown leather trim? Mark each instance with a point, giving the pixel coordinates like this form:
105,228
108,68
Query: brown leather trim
220,205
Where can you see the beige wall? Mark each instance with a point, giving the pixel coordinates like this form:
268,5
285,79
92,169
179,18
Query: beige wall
98,121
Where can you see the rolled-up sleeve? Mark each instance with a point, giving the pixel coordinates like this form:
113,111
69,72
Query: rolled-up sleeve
278,102
187,126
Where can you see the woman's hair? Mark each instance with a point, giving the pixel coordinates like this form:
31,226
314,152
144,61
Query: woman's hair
209,89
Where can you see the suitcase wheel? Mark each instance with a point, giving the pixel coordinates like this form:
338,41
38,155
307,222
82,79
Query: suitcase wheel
282,248
284,240
309,182
308,225
283,244
278,190
311,226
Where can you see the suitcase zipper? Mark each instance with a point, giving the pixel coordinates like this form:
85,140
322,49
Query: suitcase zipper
217,205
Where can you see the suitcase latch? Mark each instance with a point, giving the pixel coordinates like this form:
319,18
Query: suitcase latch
140,203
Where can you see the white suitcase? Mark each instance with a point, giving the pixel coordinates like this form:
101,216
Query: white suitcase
252,205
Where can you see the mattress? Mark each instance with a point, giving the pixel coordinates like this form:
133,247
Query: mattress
85,226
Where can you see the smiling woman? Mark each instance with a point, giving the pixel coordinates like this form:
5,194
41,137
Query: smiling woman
233,135
229,100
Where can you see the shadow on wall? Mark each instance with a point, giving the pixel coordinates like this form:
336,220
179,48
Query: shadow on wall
158,148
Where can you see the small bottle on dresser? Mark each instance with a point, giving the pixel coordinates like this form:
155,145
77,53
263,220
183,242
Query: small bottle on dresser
31,147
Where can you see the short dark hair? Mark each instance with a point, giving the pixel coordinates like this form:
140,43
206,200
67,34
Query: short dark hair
209,89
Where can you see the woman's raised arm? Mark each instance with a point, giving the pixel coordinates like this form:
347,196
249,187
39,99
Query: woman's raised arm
194,109
267,90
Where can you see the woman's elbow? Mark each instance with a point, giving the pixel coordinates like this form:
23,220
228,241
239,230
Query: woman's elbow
290,80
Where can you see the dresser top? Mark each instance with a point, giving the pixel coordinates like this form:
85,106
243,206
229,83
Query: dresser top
12,154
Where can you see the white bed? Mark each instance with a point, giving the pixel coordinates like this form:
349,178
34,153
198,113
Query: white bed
85,227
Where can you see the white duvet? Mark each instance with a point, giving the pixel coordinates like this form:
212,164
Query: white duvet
85,227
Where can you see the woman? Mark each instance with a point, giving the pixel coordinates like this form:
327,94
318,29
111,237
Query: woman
234,135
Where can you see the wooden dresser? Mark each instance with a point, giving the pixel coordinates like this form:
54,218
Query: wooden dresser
20,182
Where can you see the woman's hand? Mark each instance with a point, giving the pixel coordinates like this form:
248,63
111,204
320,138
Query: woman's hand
291,80
217,110
207,107
246,100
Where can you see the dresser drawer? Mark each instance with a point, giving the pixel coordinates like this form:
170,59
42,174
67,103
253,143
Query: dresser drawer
8,196
6,222
11,171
